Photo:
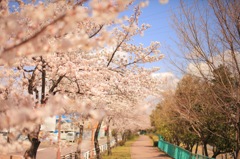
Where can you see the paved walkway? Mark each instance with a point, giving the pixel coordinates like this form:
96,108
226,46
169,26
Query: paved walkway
143,149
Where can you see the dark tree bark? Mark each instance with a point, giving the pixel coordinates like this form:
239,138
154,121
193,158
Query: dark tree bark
31,153
78,155
116,140
196,150
109,151
8,138
123,137
43,80
115,135
205,149
96,143
215,154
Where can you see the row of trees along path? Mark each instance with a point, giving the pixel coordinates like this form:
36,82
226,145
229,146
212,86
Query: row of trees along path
143,149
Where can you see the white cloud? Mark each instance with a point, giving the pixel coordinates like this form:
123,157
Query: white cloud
202,69
199,70
168,80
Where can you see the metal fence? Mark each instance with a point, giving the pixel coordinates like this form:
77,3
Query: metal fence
69,156
178,152
87,154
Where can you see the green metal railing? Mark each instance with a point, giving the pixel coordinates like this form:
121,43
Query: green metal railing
177,152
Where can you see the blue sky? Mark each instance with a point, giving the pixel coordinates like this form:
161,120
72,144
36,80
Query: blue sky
159,17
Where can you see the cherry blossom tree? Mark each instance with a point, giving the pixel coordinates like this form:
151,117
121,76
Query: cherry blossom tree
62,52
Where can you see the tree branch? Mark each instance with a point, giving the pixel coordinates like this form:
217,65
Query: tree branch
5,50
55,84
101,26
114,52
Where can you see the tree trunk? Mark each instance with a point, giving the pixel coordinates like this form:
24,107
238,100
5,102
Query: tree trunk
8,138
109,152
78,155
96,144
196,150
237,134
115,135
124,138
31,153
191,148
202,150
187,147
215,154
116,140
59,137
205,149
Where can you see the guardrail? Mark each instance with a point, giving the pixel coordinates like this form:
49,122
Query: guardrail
69,156
177,152
87,154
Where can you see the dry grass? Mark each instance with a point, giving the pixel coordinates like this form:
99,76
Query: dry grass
121,152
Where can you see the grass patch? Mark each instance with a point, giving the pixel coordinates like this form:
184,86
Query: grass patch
121,152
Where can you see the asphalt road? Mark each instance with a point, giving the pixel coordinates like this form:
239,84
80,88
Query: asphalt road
50,151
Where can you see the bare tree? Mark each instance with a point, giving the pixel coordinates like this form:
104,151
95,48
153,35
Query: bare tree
209,37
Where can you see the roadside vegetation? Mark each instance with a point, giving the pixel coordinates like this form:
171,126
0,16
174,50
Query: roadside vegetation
154,139
204,109
122,151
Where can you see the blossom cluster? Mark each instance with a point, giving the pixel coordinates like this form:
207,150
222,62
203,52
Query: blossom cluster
62,58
